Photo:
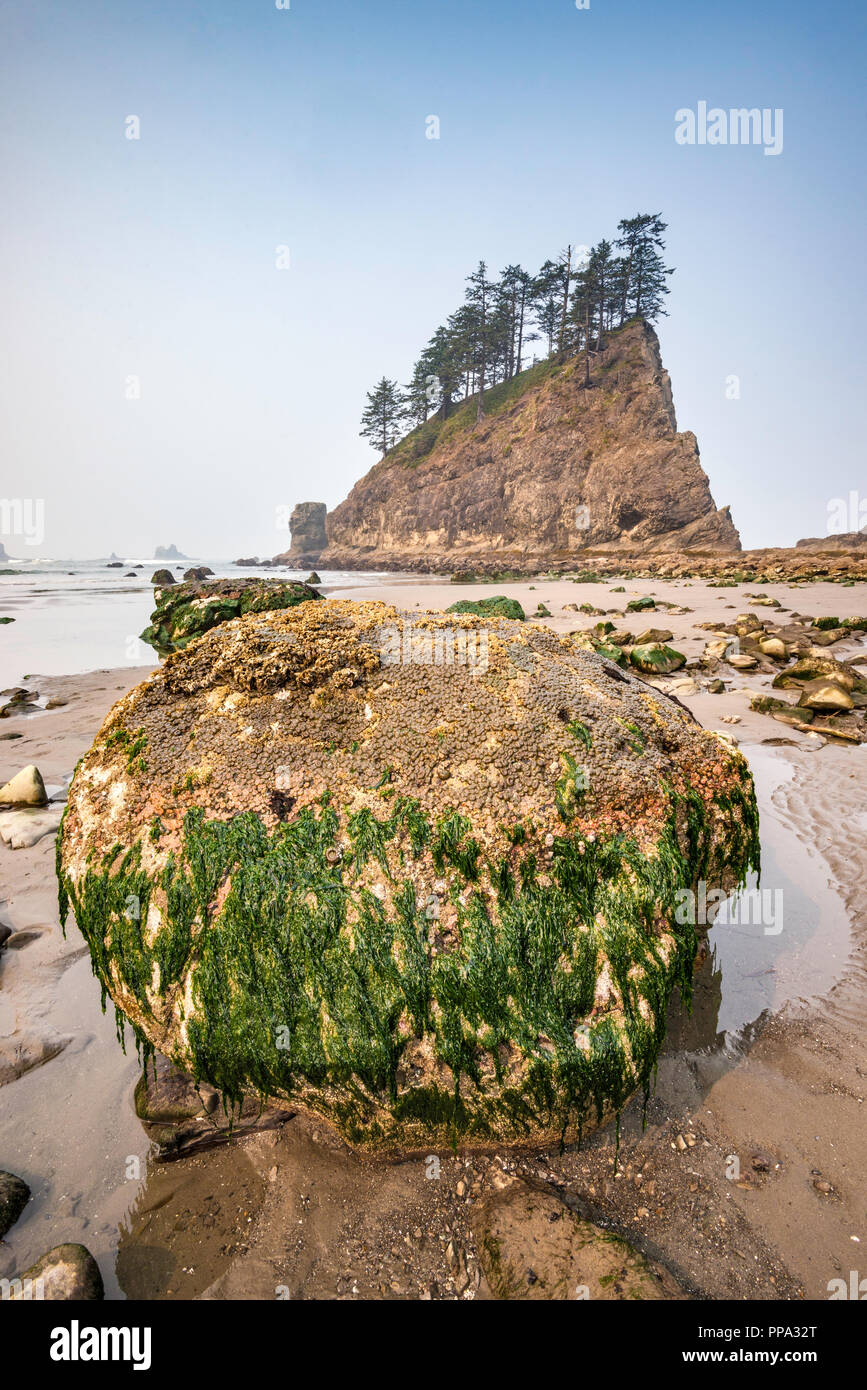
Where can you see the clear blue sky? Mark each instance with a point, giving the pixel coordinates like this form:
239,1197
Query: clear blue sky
305,127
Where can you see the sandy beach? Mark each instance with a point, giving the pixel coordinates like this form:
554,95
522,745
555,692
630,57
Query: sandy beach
745,1183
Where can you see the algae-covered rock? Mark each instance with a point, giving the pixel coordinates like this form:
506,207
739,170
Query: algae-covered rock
815,666
187,610
532,1246
68,1273
656,658
414,872
497,607
612,651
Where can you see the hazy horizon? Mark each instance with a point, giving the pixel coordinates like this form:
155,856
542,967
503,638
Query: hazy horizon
151,264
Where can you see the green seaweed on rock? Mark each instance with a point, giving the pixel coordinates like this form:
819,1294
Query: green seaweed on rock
303,979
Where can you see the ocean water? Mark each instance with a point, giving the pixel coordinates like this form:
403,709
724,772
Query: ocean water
72,616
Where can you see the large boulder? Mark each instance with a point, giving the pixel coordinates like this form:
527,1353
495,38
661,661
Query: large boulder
187,610
417,873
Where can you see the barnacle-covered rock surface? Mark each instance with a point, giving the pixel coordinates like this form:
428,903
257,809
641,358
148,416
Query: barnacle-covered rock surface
414,872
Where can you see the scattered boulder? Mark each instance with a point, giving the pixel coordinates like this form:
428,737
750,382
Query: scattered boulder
612,652
163,578
829,636
814,665
68,1272
774,648
313,578
425,885
653,636
496,607
26,788
826,696
198,572
717,649
682,687
656,659
14,1196
532,1246
19,701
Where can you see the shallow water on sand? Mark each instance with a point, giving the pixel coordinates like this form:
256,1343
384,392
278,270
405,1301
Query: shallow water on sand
791,945
75,616
69,1128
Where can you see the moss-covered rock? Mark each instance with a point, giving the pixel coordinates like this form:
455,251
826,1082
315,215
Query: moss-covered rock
813,667
186,611
416,873
497,607
655,658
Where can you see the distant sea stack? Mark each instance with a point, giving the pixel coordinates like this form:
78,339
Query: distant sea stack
307,529
169,552
552,469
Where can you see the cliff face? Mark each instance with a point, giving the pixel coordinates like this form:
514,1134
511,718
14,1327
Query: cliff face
552,468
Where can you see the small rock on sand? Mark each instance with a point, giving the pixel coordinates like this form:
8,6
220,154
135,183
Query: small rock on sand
26,827
14,1196
68,1272
26,788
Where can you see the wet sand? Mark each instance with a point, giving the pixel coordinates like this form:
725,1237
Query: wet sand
768,1070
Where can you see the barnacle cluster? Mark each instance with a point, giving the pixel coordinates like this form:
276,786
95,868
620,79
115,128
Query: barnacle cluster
413,872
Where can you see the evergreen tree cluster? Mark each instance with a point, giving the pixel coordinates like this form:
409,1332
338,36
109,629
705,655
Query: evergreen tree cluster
568,305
